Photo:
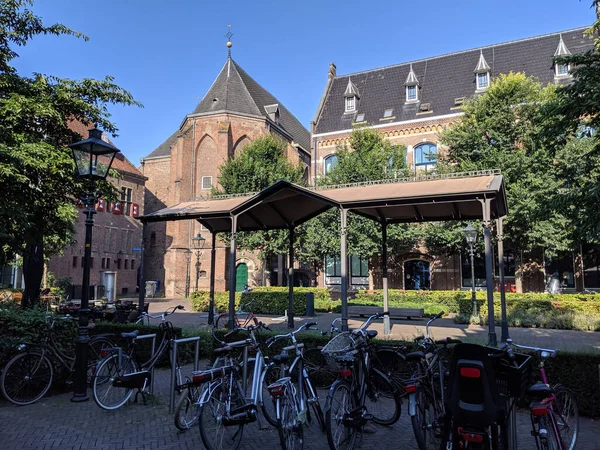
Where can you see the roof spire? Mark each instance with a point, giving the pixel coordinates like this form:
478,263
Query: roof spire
562,49
229,44
411,79
482,65
351,89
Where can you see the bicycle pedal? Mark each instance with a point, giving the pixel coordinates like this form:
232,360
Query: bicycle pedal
367,416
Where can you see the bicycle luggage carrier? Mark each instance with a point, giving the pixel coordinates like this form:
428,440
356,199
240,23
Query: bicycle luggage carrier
513,381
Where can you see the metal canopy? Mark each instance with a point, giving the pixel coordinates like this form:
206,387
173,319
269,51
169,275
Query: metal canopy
423,201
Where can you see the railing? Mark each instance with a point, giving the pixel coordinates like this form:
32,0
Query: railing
174,366
148,336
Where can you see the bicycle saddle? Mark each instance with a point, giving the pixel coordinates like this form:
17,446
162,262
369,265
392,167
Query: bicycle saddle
371,333
540,390
282,358
131,335
415,356
223,350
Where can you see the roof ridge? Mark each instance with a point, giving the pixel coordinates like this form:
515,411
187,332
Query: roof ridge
485,47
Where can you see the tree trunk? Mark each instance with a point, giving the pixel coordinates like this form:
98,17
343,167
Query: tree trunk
33,271
519,272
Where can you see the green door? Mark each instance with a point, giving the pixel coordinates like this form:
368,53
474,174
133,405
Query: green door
241,277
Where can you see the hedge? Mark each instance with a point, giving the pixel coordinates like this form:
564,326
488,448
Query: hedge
265,300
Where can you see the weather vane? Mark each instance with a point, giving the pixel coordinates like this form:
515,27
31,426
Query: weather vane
228,36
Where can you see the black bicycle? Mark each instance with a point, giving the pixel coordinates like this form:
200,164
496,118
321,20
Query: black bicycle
29,374
119,373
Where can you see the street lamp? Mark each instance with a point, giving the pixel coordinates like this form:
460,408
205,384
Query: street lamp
199,242
471,237
188,257
93,158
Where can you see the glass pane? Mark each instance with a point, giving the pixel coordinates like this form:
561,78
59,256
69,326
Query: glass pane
329,266
411,92
330,163
479,271
82,161
482,80
426,154
561,268
355,264
364,267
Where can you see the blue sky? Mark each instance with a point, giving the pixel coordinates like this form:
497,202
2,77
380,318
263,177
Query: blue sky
168,53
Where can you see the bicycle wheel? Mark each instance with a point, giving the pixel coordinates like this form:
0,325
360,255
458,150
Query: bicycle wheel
222,322
340,402
105,394
95,347
394,365
26,378
320,373
426,423
221,400
566,417
271,375
382,399
187,409
289,425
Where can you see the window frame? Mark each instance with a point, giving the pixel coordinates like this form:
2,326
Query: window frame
206,177
360,117
410,99
350,103
330,157
363,264
480,76
424,163
337,266
388,113
558,71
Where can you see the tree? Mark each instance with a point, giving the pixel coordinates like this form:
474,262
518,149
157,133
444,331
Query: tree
508,128
37,212
260,164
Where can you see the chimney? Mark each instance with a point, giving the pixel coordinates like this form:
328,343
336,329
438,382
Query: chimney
332,71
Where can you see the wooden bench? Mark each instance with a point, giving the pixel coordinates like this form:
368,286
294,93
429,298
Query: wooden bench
395,313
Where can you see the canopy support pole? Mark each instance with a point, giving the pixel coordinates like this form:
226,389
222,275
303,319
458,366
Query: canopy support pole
489,276
344,268
141,278
232,273
504,335
291,279
211,292
384,277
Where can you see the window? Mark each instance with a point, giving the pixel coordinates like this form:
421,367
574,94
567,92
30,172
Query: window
425,155
153,238
108,263
483,80
202,274
388,113
330,163
133,264
203,228
465,260
126,193
509,265
104,263
411,93
562,69
126,242
360,117
350,104
359,267
126,264
118,264
74,261
561,267
206,182
332,266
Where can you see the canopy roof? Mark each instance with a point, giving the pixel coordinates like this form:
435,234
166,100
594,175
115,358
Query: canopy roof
284,204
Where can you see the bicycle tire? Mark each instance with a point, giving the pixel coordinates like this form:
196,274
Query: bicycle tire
222,322
339,436
187,409
95,347
26,378
289,425
211,411
423,422
272,374
320,373
107,371
394,365
568,433
385,396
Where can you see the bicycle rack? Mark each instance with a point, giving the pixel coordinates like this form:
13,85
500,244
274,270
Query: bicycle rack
148,336
174,344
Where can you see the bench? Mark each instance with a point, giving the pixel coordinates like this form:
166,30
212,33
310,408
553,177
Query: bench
395,313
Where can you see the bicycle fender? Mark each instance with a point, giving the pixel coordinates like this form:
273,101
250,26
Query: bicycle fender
381,374
329,398
412,404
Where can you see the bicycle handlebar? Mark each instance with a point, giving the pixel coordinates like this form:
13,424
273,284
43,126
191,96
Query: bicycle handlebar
551,352
291,334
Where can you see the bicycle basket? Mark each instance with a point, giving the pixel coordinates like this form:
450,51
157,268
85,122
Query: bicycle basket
513,381
338,346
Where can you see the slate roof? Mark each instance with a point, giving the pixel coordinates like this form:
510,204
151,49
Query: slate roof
237,92
441,79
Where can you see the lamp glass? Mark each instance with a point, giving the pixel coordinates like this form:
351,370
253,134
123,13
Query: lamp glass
470,234
199,242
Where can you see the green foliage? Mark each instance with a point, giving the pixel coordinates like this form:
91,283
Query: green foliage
36,167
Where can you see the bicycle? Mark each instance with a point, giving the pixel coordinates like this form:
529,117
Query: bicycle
426,388
222,320
359,385
27,377
119,373
224,407
553,410
293,393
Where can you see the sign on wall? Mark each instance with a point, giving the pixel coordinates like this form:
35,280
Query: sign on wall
135,209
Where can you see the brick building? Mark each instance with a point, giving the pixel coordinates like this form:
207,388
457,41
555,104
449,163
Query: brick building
116,238
235,110
410,103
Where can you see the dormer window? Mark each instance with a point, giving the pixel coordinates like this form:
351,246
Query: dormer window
561,70
360,117
273,112
412,86
388,113
482,73
351,97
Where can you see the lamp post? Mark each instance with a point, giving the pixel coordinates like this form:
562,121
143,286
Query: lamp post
199,242
471,237
188,257
93,158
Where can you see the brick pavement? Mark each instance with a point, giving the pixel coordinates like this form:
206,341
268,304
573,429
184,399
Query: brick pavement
56,423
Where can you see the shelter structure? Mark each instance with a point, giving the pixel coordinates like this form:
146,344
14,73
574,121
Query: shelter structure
283,205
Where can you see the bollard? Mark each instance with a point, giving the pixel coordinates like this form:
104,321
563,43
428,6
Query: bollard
310,304
148,336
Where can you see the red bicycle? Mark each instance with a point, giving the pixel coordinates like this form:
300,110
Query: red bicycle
241,318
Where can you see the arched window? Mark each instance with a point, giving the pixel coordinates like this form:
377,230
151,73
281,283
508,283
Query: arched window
202,274
425,156
330,163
